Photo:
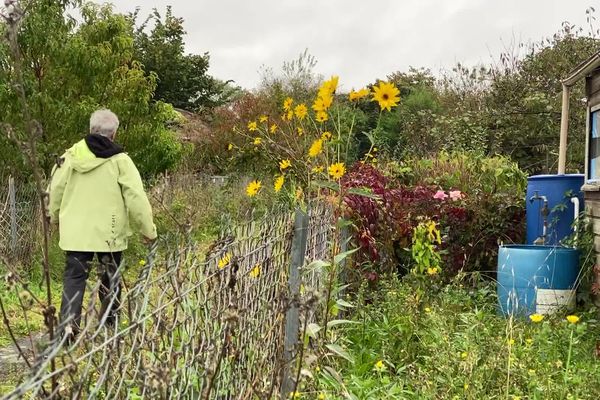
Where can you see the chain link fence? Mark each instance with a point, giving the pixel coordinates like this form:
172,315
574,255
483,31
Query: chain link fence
221,324
20,220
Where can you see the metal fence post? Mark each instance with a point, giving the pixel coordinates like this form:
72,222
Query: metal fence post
292,317
12,200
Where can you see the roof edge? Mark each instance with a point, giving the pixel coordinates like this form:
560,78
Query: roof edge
582,70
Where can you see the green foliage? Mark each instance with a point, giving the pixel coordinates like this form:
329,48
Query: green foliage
72,68
424,253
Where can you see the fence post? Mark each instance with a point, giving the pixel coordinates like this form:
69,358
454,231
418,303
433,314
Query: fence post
292,317
12,200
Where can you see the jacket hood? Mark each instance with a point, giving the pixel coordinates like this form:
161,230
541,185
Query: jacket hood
82,159
101,146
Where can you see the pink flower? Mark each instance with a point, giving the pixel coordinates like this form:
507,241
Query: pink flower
456,195
440,195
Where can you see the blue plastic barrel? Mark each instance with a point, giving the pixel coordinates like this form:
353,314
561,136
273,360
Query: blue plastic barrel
536,279
558,189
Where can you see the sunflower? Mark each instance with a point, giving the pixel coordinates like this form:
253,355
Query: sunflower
300,131
263,118
257,141
224,261
326,135
573,319
536,317
322,103
315,148
253,188
337,170
287,104
230,146
278,183
322,116
357,95
252,126
387,95
273,128
288,116
300,110
284,164
317,170
255,273
329,87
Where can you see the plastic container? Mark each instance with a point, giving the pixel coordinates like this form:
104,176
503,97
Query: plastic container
536,279
558,189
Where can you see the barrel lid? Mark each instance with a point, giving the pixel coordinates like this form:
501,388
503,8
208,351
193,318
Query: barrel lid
562,176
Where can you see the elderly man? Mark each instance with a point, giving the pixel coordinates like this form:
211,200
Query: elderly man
94,193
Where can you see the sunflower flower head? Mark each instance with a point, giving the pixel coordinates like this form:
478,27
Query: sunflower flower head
536,318
224,261
278,183
253,188
263,118
337,170
317,170
252,126
573,319
322,116
300,111
387,95
273,128
257,141
323,102
255,272
316,148
287,104
326,135
230,146
379,366
357,95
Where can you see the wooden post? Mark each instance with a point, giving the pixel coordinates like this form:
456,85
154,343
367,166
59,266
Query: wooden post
292,317
564,130
12,200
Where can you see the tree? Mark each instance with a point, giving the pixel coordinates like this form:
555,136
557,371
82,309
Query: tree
182,79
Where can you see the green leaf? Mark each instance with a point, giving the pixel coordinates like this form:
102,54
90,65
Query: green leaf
316,265
343,304
326,184
340,257
337,322
312,330
364,192
337,350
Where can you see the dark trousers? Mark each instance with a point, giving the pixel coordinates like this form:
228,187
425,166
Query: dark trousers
77,270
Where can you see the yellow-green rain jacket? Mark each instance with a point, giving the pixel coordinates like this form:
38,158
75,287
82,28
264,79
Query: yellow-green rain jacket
93,199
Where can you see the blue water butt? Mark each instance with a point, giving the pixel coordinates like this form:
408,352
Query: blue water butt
558,189
536,279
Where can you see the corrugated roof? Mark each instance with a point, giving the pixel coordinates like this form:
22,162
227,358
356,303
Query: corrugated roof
582,70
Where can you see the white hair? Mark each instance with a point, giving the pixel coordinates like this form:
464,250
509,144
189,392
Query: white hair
104,122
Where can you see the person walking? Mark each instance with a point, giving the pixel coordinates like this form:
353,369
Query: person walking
94,194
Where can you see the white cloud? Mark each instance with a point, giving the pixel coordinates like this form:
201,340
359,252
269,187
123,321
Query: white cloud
357,39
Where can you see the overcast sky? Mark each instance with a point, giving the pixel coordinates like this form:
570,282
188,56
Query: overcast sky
359,40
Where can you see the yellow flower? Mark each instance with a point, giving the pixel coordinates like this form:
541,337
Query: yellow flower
379,366
322,116
531,372
273,128
573,319
230,147
387,95
278,183
142,263
257,141
263,118
289,115
317,369
536,317
427,309
300,110
321,396
432,271
252,126
295,395
466,386
299,193
326,135
337,170
528,340
322,103
253,188
329,87
300,131
358,95
255,273
511,342
317,170
224,261
287,104
284,164
464,355
315,148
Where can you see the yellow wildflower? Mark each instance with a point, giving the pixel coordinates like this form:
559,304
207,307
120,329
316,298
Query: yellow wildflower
359,94
573,319
322,103
531,372
142,263
337,170
252,126
536,317
528,340
326,135
263,118
315,148
511,342
273,128
253,188
300,131
466,386
299,193
387,95
379,366
278,183
287,104
255,273
329,87
322,116
230,147
300,110
321,396
224,261
432,271
427,309
317,170
257,141
464,355
284,164
295,395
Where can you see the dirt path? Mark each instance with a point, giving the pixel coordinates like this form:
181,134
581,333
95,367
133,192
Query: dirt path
12,364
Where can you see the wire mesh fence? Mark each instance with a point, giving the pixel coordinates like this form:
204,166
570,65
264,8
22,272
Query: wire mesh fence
19,220
221,324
